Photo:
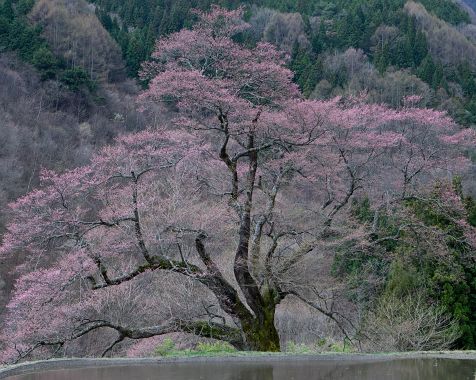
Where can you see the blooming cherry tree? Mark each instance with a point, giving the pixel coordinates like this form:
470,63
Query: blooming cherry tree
244,182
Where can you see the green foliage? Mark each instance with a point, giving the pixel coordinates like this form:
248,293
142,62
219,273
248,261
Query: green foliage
470,205
431,72
167,348
139,47
18,34
76,79
359,272
402,279
6,10
322,345
413,269
24,38
46,63
142,21
465,77
214,348
362,210
307,69
453,283
344,24
23,7
341,347
4,28
448,11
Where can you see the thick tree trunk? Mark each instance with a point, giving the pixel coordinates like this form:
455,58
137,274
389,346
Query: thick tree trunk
258,329
261,335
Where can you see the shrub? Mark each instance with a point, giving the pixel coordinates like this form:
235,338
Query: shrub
409,323
167,348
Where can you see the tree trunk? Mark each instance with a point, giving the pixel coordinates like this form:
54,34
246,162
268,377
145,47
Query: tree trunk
260,334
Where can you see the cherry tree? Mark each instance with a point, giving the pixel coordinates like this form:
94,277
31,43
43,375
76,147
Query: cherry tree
225,201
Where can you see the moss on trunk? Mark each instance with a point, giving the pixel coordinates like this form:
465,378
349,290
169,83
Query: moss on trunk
260,333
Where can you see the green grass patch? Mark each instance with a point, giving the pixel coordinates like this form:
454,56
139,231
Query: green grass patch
168,348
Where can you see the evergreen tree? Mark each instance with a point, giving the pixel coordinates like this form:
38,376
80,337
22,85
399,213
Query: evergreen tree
420,49
382,58
6,10
438,79
466,79
46,63
427,69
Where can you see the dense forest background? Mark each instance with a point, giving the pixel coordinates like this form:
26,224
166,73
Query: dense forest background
399,47
69,74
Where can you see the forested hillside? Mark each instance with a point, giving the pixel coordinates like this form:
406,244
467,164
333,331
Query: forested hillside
426,49
379,225
57,103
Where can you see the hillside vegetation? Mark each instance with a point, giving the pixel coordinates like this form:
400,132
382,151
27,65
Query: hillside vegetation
56,102
74,33
423,40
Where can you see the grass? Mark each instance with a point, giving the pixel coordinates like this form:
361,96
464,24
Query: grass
319,347
168,348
